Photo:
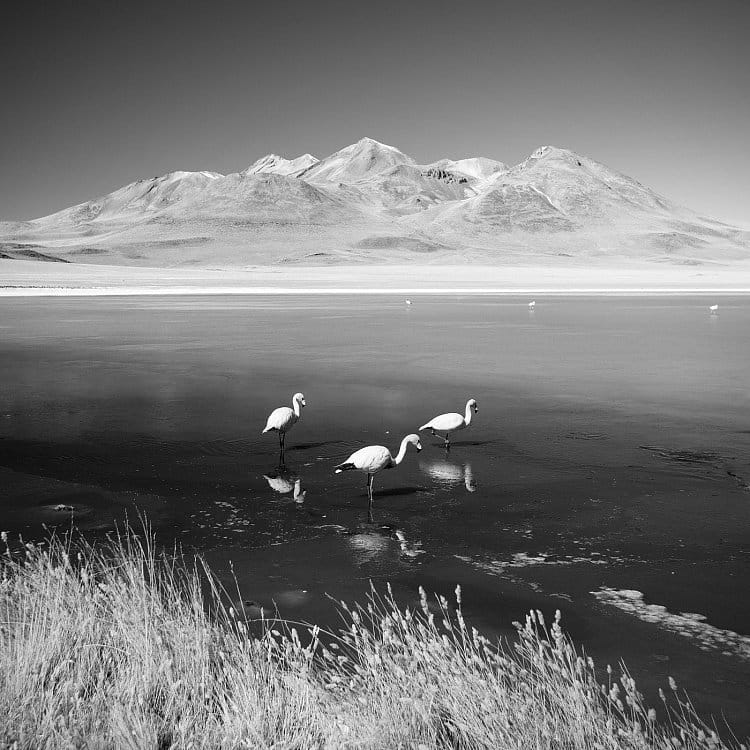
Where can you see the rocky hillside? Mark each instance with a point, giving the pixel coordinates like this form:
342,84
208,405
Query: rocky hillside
370,202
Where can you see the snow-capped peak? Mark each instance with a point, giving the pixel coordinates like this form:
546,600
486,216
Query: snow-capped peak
357,161
552,152
275,164
368,142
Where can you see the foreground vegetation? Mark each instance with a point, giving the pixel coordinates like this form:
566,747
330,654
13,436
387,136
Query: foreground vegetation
118,647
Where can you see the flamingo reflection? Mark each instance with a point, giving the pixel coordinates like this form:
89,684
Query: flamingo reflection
285,481
450,473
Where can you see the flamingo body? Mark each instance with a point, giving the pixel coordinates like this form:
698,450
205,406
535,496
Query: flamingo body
452,421
446,423
283,419
373,459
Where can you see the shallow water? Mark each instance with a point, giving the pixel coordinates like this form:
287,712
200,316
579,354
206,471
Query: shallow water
606,473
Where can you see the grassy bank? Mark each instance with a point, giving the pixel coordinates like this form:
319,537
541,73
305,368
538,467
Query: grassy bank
117,647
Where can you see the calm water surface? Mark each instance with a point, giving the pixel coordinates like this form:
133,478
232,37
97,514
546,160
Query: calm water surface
606,474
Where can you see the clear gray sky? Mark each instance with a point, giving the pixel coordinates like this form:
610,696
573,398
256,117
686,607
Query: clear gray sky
97,94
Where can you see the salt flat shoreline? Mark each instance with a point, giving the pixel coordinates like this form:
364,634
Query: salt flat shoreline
273,291
20,278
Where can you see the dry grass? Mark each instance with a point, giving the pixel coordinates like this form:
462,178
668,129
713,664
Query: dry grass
118,647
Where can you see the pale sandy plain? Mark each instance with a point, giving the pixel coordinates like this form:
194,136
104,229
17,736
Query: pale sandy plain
32,278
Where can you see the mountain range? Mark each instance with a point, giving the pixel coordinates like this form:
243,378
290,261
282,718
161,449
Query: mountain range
370,202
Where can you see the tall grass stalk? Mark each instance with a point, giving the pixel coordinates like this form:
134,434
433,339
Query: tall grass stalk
118,646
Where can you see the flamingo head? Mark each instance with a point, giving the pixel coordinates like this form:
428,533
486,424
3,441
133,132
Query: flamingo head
414,440
473,405
300,398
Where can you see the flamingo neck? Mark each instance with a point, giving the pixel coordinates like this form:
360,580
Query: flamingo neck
297,409
401,452
467,415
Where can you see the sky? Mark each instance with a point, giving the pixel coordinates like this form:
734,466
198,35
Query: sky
94,95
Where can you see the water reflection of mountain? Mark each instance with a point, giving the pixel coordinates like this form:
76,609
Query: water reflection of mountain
450,473
285,481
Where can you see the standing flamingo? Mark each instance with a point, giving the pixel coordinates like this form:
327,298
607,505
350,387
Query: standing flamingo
283,419
451,422
373,459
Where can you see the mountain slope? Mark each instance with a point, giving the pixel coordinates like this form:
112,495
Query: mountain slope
477,168
135,200
371,202
581,187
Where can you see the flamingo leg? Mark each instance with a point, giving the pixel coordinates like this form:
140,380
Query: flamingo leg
447,441
282,440
370,480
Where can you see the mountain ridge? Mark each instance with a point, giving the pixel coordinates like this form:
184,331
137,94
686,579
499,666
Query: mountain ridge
372,202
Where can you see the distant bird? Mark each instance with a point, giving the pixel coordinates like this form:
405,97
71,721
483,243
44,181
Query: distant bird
373,459
408,302
451,422
283,419
532,304
714,309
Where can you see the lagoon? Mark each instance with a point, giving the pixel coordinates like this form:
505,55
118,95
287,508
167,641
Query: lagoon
607,473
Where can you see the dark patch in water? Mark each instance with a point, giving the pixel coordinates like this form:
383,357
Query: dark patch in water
740,480
699,458
474,443
310,446
681,456
397,491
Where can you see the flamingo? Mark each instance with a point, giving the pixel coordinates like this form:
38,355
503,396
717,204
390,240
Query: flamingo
283,419
451,422
532,304
714,309
373,459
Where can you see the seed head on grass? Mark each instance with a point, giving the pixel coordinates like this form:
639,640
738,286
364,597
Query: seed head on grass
121,646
